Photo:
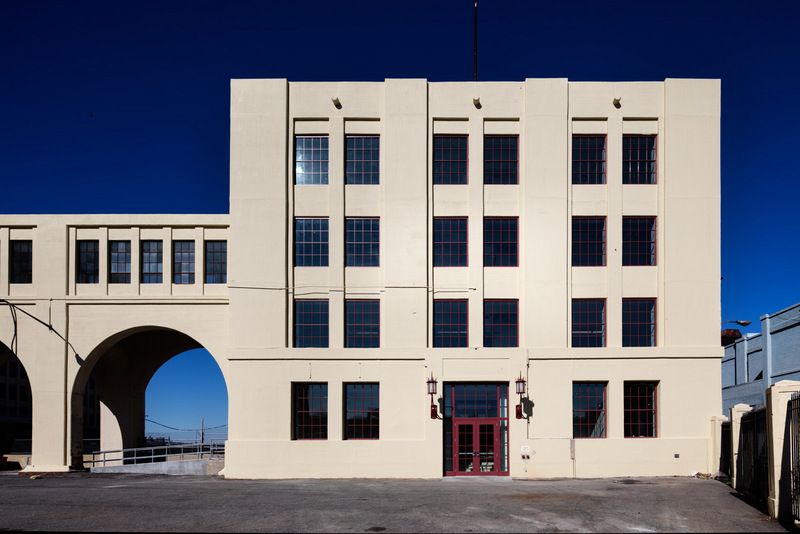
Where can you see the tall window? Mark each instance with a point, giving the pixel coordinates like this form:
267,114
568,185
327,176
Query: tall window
638,159
362,323
310,323
450,325
183,262
310,410
216,255
589,409
21,262
588,159
638,322
152,261
638,241
588,241
119,262
362,160
449,241
588,322
362,242
361,410
500,159
501,323
640,409
87,261
500,241
310,159
311,242
449,159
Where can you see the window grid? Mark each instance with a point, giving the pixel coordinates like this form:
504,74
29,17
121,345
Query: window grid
88,261
310,410
310,159
589,414
119,262
362,242
311,242
588,241
310,323
450,239
449,159
362,323
152,261
638,322
450,323
638,159
588,159
501,323
216,256
638,241
501,159
361,410
640,409
362,159
588,322
183,262
500,242
20,265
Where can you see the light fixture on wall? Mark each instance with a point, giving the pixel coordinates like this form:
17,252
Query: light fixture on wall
520,382
477,102
431,382
336,102
617,102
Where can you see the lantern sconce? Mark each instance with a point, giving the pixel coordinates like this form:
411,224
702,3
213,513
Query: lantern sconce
521,383
336,102
431,382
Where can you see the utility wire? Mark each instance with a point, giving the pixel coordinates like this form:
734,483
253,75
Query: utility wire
183,429
14,341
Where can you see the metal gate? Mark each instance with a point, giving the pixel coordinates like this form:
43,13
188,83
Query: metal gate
725,450
794,437
752,473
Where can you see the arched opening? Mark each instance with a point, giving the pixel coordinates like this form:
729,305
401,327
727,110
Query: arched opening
15,411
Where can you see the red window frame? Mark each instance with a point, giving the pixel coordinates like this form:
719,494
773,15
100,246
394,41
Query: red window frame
446,260
633,411
304,426
311,341
450,313
505,156
632,155
581,247
360,161
487,302
356,402
360,314
588,394
500,259
588,324
319,155
447,162
362,244
630,320
589,155
635,251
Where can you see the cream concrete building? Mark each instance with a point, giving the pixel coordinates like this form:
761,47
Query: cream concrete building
560,237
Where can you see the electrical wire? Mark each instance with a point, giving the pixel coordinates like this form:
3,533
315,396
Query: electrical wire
183,429
14,340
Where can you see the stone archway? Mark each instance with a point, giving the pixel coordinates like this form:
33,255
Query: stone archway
15,408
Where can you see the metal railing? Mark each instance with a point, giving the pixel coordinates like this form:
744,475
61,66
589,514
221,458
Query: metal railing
212,450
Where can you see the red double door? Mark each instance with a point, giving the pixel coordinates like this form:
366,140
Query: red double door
478,429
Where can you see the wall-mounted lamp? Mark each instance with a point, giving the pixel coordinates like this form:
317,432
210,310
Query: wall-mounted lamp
431,382
477,102
336,102
520,382
618,102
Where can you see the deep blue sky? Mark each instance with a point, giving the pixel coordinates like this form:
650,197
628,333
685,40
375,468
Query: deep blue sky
109,107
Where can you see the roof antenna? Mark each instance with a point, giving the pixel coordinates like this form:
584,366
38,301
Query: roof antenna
475,39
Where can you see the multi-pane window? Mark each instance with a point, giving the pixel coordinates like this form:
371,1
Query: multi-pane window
362,159
183,262
450,328
500,241
638,241
640,409
310,323
309,410
119,262
588,159
588,241
216,255
449,241
500,159
152,261
310,159
362,242
21,262
638,159
311,242
87,261
361,410
638,322
449,159
501,323
362,323
589,409
588,322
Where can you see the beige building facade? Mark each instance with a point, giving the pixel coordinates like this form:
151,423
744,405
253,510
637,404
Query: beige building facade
383,238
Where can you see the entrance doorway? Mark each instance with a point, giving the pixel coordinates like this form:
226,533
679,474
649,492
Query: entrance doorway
475,429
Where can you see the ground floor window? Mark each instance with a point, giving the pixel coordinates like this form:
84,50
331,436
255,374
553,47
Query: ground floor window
640,409
310,410
361,411
589,409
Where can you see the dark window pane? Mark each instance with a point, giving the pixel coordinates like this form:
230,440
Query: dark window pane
588,322
501,323
449,159
119,262
450,323
311,242
183,262
152,262
638,159
311,159
640,409
362,323
449,241
500,242
589,409
87,261
362,242
21,262
588,159
638,241
500,159
310,323
362,159
361,411
216,254
638,322
310,410
588,241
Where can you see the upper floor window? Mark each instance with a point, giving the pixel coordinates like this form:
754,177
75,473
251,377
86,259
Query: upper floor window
588,241
362,242
450,325
362,159
119,262
501,323
589,409
21,262
588,159
449,241
361,410
310,410
310,159
310,323
640,409
588,322
87,261
183,262
216,268
449,159
362,323
638,322
638,159
638,241
311,242
152,261
500,241
500,159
